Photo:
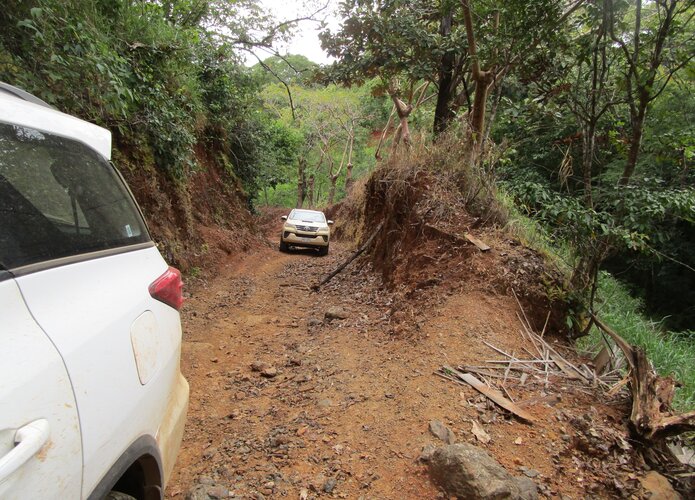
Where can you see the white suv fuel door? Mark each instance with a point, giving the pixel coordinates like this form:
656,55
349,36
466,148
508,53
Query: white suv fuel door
40,443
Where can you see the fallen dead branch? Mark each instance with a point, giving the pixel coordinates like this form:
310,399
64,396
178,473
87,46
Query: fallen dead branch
349,259
652,395
547,352
492,394
538,365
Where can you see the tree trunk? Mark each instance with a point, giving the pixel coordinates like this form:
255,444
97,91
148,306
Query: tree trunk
404,131
403,111
348,172
482,86
588,144
443,113
310,194
483,80
637,125
301,181
348,178
331,191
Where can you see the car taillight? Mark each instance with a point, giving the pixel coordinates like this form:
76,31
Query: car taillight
168,288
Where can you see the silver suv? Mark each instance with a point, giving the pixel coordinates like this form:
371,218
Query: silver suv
307,229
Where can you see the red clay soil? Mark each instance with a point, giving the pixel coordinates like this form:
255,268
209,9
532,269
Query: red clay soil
196,223
344,409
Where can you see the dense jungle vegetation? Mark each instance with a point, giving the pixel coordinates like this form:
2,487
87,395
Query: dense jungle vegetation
578,112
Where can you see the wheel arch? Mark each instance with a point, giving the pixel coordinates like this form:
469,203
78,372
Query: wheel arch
138,470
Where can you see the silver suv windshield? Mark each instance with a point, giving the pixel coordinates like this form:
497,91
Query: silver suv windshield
307,216
58,198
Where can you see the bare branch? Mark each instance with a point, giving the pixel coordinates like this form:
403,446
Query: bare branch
287,87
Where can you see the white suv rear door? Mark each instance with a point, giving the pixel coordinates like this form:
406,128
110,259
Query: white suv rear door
90,310
40,446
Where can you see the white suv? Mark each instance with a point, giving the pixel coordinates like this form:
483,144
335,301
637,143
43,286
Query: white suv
92,400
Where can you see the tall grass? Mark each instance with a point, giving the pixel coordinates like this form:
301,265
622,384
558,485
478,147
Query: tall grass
671,353
532,234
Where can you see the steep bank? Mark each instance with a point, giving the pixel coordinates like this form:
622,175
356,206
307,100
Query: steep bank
431,211
194,223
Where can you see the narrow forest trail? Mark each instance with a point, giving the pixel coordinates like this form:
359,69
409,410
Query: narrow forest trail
346,415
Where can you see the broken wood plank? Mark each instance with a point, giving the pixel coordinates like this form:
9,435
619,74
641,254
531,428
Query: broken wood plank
572,373
482,246
486,373
492,394
435,232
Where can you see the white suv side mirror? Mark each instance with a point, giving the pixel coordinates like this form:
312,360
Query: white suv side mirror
330,222
284,217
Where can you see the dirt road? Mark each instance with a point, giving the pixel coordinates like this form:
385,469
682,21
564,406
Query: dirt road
286,402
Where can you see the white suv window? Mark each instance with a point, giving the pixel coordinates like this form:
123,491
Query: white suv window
58,198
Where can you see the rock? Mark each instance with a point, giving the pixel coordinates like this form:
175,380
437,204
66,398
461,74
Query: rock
258,366
427,452
317,483
657,487
329,485
325,403
442,432
529,472
269,372
336,313
466,471
527,488
314,322
207,492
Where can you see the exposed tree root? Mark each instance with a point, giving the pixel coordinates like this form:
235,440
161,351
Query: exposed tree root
651,417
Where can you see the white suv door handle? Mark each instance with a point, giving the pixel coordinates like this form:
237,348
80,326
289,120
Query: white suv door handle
28,441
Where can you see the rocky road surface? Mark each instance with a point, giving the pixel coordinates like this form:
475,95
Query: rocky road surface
296,394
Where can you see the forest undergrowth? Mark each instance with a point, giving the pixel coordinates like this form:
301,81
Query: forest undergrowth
671,353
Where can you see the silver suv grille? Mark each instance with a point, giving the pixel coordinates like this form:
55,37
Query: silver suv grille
307,228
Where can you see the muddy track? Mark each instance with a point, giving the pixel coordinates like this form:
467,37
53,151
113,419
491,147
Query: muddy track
285,403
